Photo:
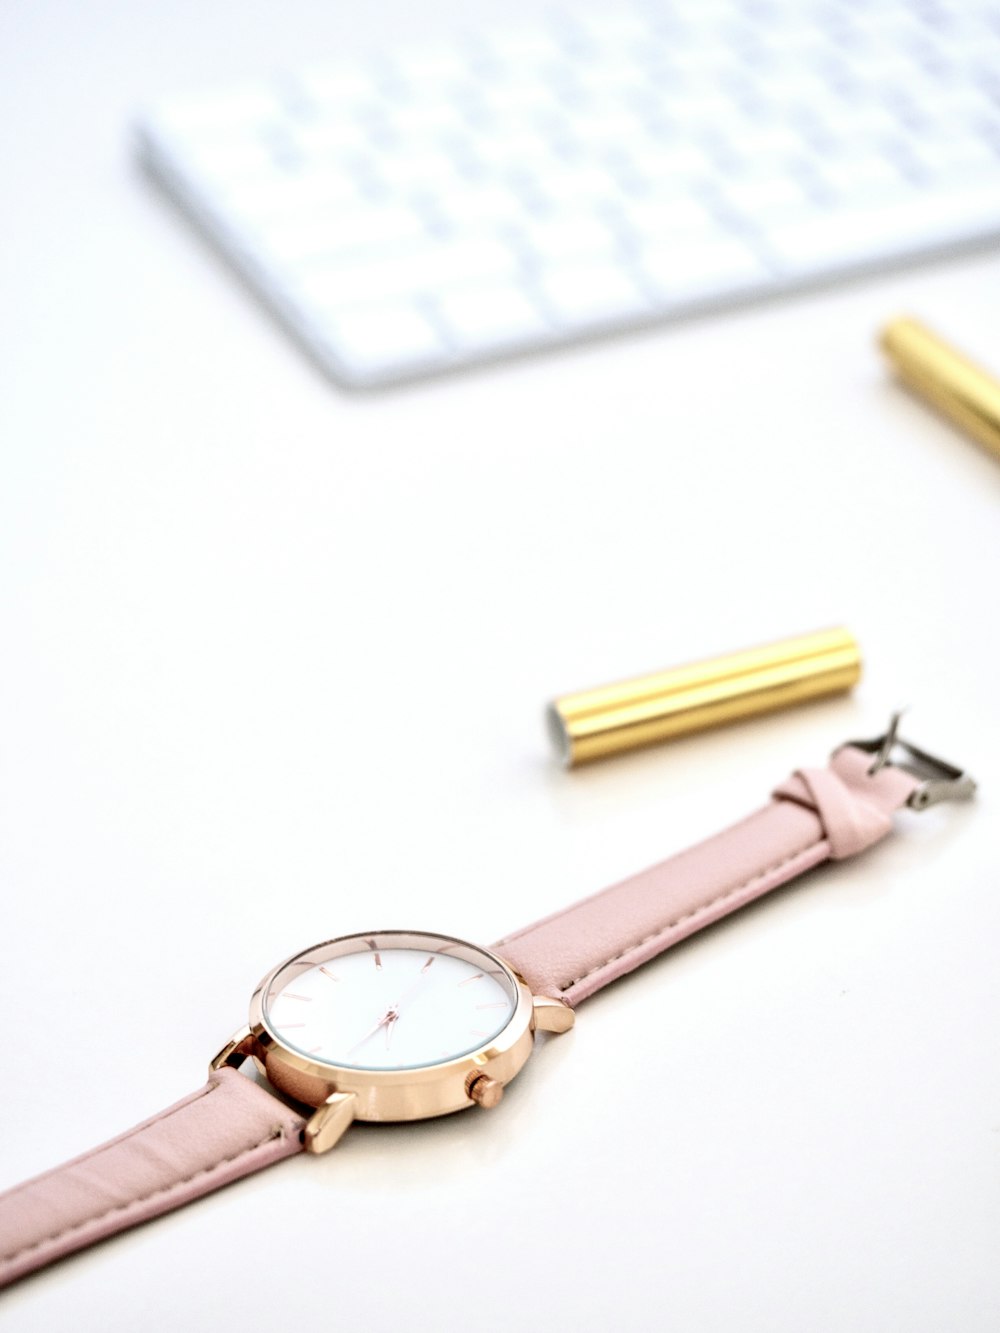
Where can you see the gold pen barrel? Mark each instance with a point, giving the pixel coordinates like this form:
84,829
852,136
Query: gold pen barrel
965,393
598,723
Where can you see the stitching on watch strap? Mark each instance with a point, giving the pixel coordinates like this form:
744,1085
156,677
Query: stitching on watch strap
104,1147
695,912
567,911
276,1132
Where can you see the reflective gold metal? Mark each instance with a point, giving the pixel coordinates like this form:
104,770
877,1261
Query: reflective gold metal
329,1122
234,1052
552,1015
967,395
342,1095
392,1094
595,724
485,1091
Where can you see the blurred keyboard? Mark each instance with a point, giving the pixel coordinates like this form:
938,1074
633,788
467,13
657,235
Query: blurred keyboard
429,208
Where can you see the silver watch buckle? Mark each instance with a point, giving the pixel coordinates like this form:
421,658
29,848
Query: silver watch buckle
940,781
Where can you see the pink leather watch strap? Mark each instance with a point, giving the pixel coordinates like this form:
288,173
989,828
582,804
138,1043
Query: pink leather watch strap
818,814
233,1126
227,1129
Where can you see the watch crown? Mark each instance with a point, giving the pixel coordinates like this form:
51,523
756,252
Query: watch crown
485,1091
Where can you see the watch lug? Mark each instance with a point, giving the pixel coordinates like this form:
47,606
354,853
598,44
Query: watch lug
328,1122
550,1015
235,1051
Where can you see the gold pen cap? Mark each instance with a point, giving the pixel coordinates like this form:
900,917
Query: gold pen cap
949,381
598,723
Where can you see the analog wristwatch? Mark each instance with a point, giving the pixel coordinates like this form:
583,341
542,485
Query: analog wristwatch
403,1024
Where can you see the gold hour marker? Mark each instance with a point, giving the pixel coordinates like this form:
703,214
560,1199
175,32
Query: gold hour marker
288,995
500,1004
327,973
313,1049
478,1032
378,957
285,1026
427,964
477,977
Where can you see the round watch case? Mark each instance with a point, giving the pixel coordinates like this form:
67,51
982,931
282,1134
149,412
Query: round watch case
413,1093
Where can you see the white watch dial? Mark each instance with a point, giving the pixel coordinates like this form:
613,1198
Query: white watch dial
390,1002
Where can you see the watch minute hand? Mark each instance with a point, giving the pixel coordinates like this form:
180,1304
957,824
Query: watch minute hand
413,989
389,1016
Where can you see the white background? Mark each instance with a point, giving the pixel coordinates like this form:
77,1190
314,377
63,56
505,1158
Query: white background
274,660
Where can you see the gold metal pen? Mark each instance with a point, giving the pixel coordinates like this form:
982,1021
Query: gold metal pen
597,723
965,393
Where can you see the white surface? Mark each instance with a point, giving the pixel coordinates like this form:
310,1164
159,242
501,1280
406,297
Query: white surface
274,666
421,1001
587,171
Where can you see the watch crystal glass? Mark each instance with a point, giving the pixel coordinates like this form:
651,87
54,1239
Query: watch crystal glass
393,1000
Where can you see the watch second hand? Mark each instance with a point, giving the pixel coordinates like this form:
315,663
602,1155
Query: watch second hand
388,1019
413,989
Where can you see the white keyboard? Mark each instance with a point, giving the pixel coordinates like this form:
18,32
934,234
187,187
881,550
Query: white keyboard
429,208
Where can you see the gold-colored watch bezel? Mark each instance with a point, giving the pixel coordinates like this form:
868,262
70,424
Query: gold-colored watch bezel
416,1093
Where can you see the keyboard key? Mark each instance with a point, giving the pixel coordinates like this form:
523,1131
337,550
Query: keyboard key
428,171
863,180
327,141
664,165
492,315
698,272
410,272
337,89
476,207
567,186
840,240
552,239
376,341
600,292
673,217
259,201
292,240
779,197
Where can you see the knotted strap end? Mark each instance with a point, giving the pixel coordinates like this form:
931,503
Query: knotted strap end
853,804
